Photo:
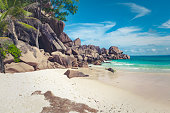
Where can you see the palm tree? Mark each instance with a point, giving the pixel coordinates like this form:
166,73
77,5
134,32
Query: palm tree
10,12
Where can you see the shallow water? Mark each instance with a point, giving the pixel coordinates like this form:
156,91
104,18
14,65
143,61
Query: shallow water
150,86
142,64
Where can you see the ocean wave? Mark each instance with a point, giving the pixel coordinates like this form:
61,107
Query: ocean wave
121,64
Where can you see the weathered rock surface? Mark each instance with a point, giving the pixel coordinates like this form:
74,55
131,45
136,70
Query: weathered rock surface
95,55
72,73
74,52
65,39
114,50
31,58
28,34
64,60
77,42
9,59
98,62
45,64
111,70
68,51
18,67
49,35
83,64
57,26
56,49
30,55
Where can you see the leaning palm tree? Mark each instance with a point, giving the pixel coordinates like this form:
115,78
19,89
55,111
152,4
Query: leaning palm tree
10,12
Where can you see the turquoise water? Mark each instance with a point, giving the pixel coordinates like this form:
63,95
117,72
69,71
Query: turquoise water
142,63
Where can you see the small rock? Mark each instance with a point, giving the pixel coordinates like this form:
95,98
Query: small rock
110,69
97,62
71,74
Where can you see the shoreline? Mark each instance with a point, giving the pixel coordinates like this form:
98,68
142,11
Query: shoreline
105,97
152,86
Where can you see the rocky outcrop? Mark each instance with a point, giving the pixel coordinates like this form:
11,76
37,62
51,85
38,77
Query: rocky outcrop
18,67
52,38
64,60
94,55
114,50
31,59
72,73
111,70
65,39
56,49
83,64
57,26
77,42
98,62
49,34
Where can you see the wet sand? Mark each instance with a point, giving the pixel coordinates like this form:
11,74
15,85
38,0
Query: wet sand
151,86
124,92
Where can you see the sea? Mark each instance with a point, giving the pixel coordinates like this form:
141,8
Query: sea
142,64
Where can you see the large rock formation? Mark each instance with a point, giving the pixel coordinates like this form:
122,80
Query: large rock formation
51,36
31,59
114,50
56,49
77,42
95,55
57,26
65,39
18,67
64,60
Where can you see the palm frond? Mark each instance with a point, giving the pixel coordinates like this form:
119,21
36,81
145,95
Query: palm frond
3,15
26,13
27,26
5,3
18,12
3,27
2,5
31,5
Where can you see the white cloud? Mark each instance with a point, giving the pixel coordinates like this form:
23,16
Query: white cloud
88,31
140,10
165,25
105,35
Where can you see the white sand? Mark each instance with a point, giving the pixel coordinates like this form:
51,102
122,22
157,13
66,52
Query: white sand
16,90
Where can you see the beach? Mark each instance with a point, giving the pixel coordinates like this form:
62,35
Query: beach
110,57
124,92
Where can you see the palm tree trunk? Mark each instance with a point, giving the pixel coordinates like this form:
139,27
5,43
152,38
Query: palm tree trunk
39,17
36,40
2,66
2,63
14,33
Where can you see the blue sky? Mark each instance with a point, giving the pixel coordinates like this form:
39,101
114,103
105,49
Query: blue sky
138,27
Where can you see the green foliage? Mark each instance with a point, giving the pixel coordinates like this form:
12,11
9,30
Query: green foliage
11,10
62,8
3,27
27,26
58,8
14,51
7,48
